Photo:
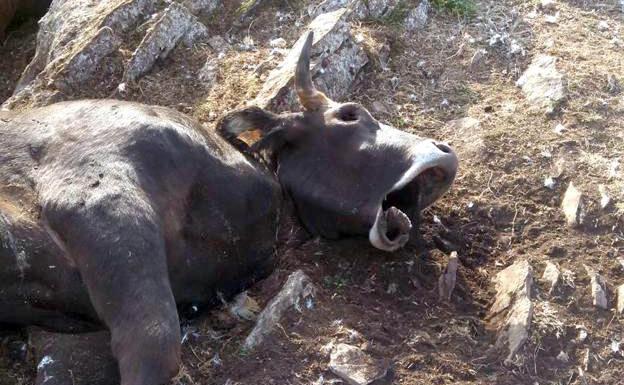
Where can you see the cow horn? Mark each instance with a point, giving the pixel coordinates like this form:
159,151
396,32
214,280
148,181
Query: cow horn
310,98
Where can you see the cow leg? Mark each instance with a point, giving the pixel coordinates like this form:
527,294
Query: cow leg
74,359
116,240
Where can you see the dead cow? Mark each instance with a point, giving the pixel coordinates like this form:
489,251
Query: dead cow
115,215
10,8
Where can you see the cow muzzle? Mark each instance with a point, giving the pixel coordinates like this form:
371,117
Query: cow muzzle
431,173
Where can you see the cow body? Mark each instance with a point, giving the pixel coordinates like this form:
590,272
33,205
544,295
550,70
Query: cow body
113,215
216,211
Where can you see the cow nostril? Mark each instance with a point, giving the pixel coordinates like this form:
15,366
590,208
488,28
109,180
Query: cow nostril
443,147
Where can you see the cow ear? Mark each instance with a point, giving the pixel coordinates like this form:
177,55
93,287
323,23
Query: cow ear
275,130
247,119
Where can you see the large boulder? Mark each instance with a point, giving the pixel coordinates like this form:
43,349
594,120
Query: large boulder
336,61
77,40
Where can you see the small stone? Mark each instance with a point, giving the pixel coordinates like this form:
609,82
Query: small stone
620,299
477,57
218,44
613,85
582,336
559,129
543,85
278,43
295,291
354,366
598,288
571,205
550,5
417,17
615,347
552,275
549,182
513,290
552,19
446,282
602,26
563,356
604,196
208,73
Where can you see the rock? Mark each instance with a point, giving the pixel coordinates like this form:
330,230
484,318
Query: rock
598,288
512,310
203,7
358,9
209,72
417,18
542,84
218,43
605,200
278,43
73,39
620,299
549,182
602,26
613,85
466,134
572,206
336,61
244,307
174,24
549,5
477,57
298,287
563,356
354,366
552,19
446,282
552,276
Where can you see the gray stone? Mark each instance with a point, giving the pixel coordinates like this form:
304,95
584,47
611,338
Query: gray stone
446,282
354,366
417,18
297,288
174,24
512,310
73,39
572,205
620,299
466,134
218,43
203,7
208,73
357,9
543,85
336,61
598,289
552,276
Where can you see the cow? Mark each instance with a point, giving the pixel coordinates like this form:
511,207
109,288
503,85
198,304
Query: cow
114,215
9,9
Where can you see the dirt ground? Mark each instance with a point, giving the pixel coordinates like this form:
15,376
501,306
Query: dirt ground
497,212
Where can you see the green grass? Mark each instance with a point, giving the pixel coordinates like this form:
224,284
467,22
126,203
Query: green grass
456,7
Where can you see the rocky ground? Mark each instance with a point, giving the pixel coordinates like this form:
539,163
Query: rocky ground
527,92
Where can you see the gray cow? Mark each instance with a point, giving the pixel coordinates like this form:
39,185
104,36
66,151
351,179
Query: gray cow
113,215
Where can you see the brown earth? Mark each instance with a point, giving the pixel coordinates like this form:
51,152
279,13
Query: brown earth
498,211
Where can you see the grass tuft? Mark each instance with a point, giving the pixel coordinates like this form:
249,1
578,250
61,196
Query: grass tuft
456,7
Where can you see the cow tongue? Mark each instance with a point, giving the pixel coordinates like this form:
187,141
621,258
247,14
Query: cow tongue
391,229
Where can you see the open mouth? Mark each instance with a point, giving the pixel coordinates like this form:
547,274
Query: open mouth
400,207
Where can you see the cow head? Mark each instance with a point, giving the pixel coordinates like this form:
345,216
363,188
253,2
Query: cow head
346,172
